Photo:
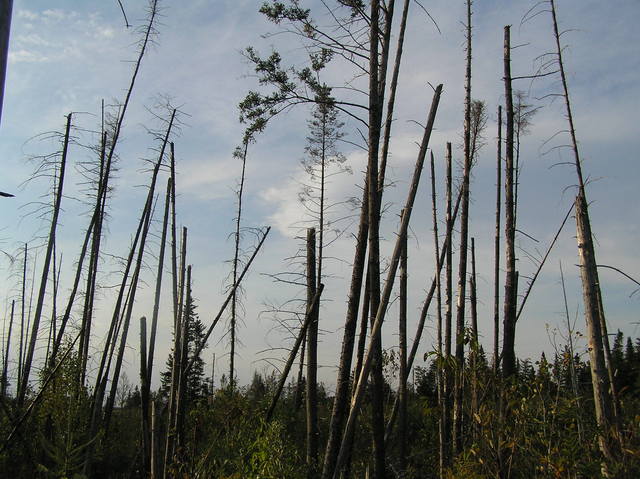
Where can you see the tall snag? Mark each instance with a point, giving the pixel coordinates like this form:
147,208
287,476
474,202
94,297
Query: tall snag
464,238
240,153
24,383
510,291
496,246
604,400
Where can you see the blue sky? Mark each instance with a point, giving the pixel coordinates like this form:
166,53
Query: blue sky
68,55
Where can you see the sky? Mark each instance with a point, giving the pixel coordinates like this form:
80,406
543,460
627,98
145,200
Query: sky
69,55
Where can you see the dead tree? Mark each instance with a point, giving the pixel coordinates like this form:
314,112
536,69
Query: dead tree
510,290
439,345
464,238
402,333
604,400
5,365
241,154
496,247
292,354
23,302
475,345
177,369
24,383
311,396
381,310
5,28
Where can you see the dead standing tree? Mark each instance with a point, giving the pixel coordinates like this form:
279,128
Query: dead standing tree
241,154
510,290
24,382
603,392
464,238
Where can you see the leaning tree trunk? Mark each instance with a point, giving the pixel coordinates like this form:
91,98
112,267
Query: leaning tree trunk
402,330
24,383
5,28
604,401
3,384
381,310
342,383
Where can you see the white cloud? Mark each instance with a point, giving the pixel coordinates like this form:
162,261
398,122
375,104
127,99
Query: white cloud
26,56
27,15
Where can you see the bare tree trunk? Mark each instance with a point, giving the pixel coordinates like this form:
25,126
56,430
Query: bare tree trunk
222,309
181,405
92,229
110,343
362,333
5,365
54,299
5,28
312,359
176,368
603,402
96,228
392,94
340,401
154,473
475,345
24,383
496,247
510,290
127,320
146,452
174,240
144,393
373,265
448,377
402,330
297,397
236,258
464,235
362,344
22,318
381,310
440,369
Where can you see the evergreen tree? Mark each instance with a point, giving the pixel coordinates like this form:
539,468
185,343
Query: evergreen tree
197,385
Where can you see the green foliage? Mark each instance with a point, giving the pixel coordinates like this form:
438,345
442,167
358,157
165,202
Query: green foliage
278,12
229,439
197,386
